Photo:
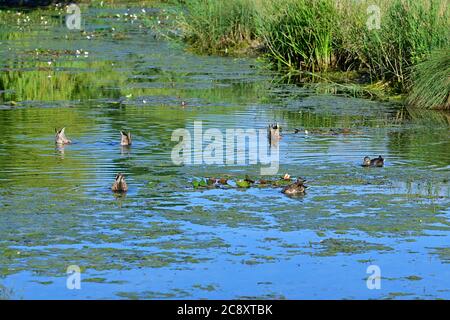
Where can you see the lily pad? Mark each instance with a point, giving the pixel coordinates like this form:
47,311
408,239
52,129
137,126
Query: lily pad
243,184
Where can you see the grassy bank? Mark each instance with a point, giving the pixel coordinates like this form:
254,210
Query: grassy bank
327,35
431,82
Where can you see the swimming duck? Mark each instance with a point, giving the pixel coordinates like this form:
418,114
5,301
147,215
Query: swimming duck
377,162
273,133
60,137
296,188
120,185
125,138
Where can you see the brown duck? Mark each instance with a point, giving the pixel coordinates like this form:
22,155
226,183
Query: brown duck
60,137
296,188
120,185
273,133
125,138
377,162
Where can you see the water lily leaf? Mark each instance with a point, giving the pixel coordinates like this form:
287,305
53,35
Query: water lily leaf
195,183
243,184
282,183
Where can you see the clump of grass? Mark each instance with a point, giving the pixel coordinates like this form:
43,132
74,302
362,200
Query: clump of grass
299,33
409,31
217,26
431,82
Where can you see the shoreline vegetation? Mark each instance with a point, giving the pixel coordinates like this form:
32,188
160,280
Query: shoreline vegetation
405,53
334,46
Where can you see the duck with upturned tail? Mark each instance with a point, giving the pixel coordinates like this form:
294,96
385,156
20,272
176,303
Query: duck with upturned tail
60,137
125,138
120,184
273,133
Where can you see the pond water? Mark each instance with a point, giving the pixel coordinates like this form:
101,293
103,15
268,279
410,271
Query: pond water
166,239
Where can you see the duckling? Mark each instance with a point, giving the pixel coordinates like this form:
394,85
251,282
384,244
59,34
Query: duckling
297,188
60,137
119,184
273,133
377,162
125,138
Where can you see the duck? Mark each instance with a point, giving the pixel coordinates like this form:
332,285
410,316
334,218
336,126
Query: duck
119,184
273,133
377,162
60,137
296,188
125,138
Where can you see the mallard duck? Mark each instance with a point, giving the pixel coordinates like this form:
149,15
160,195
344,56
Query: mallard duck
295,188
125,138
119,184
377,162
60,137
273,132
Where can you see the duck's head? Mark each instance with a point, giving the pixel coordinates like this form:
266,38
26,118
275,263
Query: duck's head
366,161
125,138
60,137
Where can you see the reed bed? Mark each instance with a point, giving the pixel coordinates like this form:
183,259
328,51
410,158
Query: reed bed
383,40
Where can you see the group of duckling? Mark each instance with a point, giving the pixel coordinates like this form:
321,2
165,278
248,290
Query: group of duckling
273,134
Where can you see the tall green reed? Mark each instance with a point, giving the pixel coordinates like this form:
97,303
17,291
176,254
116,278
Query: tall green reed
299,33
431,82
215,26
